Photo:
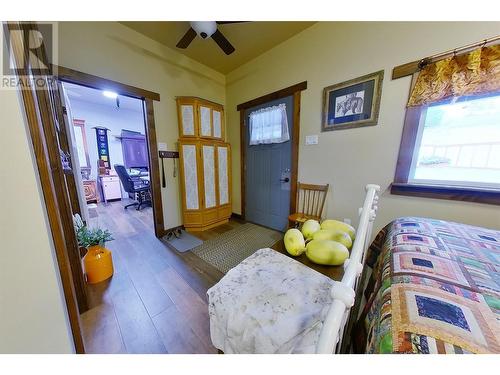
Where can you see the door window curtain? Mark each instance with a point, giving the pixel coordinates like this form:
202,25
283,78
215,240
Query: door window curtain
269,125
474,73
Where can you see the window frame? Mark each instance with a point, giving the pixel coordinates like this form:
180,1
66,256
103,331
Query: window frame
401,184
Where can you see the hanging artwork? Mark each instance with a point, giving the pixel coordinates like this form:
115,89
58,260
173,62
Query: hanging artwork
102,146
352,103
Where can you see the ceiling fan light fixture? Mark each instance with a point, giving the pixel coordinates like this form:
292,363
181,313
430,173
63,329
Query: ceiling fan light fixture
204,29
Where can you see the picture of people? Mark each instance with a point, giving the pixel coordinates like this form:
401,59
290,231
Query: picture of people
349,104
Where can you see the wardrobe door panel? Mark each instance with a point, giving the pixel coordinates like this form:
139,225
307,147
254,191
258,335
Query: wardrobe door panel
217,124
223,162
187,120
208,153
190,167
205,121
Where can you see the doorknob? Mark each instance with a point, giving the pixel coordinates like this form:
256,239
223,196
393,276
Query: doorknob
286,179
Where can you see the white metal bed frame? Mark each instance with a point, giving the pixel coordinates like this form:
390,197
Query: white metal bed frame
343,292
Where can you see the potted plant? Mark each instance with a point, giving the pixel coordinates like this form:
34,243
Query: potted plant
98,261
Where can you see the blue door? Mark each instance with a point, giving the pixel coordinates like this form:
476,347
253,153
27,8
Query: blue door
267,173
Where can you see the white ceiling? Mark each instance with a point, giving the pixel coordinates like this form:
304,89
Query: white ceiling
94,96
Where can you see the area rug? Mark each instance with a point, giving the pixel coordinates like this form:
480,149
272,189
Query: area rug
184,242
230,248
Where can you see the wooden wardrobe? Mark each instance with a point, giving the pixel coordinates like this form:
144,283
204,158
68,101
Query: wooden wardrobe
205,164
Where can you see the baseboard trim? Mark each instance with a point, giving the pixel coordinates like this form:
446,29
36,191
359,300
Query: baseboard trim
237,216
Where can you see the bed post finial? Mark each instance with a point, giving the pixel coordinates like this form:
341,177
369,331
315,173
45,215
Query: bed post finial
372,186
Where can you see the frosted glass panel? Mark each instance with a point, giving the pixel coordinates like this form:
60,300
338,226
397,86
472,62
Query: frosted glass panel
209,176
217,124
190,176
205,121
223,178
187,119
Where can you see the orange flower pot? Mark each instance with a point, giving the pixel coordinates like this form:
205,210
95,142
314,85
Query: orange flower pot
98,264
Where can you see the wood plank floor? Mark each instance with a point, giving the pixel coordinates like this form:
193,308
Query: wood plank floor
156,300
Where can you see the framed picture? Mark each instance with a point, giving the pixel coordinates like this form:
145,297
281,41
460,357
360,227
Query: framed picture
353,103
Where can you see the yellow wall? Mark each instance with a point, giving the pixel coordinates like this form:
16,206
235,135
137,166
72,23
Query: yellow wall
33,316
113,51
329,53
32,312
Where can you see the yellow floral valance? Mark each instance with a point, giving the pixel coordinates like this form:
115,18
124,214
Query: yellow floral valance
477,72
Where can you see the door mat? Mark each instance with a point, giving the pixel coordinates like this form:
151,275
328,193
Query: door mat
230,248
184,242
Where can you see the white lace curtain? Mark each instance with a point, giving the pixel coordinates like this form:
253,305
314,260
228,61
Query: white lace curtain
269,125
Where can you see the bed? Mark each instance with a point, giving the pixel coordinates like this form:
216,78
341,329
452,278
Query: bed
270,303
435,288
427,286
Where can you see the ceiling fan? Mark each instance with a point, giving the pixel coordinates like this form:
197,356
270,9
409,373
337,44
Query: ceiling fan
207,29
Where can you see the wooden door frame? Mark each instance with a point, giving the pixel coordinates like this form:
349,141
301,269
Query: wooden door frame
294,91
36,112
88,80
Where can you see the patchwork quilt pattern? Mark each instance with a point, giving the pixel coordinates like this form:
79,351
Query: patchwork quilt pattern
435,288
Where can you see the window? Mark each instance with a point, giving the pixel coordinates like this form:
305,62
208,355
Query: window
458,144
450,147
269,125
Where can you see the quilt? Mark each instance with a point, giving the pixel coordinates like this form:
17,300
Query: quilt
434,288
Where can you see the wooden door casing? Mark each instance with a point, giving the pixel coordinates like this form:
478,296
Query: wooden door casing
41,118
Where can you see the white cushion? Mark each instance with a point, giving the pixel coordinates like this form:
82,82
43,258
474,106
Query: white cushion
269,303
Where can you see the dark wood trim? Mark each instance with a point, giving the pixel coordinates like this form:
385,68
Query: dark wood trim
283,93
64,141
400,186
294,91
406,69
236,216
54,141
243,165
89,80
95,82
168,154
295,152
407,145
48,184
464,194
414,66
154,168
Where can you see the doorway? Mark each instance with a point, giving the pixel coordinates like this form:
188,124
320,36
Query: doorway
271,175
268,168
108,139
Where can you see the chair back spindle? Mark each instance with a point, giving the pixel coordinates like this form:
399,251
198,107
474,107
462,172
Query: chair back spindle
310,201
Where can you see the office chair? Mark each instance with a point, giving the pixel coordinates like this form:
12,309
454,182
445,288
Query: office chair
133,185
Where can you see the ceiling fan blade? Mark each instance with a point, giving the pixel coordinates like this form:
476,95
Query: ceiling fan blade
186,39
228,22
223,42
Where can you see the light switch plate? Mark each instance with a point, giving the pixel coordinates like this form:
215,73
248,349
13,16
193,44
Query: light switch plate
162,146
311,139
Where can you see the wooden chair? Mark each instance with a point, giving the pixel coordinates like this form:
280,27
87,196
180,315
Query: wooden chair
310,203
